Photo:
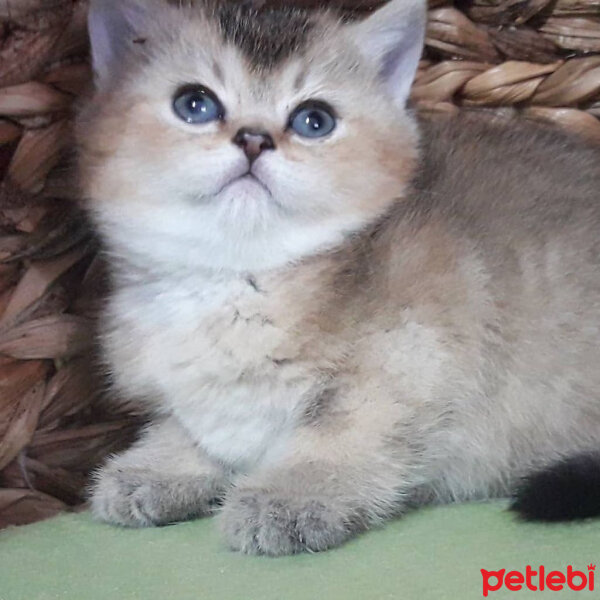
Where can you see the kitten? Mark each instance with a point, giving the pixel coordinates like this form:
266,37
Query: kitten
334,313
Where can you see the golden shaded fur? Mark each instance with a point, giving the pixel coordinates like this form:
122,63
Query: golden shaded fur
394,322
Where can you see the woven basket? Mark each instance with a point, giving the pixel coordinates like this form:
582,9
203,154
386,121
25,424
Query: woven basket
540,58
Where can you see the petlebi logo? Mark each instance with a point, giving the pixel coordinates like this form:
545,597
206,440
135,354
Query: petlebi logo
539,580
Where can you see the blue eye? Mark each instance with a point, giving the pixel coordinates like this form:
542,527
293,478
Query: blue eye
197,105
313,120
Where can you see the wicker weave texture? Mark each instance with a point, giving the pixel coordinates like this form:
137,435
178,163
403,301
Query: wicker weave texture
540,58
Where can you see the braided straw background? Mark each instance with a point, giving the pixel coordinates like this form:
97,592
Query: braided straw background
539,58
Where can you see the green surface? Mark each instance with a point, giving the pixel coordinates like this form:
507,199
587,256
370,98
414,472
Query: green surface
431,554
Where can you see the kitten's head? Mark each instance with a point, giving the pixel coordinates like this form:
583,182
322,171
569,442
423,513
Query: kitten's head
236,139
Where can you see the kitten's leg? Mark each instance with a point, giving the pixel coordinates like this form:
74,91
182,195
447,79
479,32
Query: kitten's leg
340,478
161,479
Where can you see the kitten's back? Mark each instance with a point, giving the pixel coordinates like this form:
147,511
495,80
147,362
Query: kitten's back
524,203
508,176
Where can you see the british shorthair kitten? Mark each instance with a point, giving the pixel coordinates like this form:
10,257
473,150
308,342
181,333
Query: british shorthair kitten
333,312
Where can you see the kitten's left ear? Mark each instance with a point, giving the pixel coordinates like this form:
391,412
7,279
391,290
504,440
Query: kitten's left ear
393,39
113,26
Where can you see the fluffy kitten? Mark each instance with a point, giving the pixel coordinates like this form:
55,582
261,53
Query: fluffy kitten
330,320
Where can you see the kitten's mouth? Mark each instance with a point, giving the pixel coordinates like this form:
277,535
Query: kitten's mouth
247,177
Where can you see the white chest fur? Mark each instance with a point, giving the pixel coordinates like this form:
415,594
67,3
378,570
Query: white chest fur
214,354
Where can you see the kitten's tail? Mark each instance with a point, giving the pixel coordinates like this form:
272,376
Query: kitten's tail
565,491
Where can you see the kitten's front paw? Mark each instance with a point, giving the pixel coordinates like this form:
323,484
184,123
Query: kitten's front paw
142,498
256,521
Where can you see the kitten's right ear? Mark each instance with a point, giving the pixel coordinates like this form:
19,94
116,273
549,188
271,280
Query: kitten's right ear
392,38
114,26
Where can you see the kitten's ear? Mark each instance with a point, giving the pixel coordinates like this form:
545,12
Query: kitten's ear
393,38
113,26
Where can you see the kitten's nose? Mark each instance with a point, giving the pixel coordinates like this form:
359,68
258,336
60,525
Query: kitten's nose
253,142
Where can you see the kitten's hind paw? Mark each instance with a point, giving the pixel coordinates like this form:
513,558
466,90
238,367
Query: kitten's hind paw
256,521
142,498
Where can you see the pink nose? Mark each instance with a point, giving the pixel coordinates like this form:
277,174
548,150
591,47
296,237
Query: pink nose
253,142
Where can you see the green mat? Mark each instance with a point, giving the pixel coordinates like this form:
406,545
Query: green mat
432,554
